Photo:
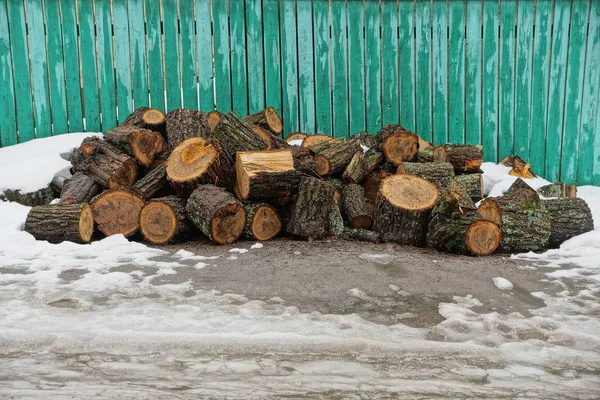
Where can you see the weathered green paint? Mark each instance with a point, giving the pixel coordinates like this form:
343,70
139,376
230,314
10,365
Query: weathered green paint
473,69
373,66
489,100
254,48
322,67
137,45
390,88
506,78
408,66
423,89
188,54
523,81
439,56
8,125
272,54
171,54
104,58
306,70
154,55
221,54
339,67
122,59
204,53
91,104
456,71
239,78
289,66
356,67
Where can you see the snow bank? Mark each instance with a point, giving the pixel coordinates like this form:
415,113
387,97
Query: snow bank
496,179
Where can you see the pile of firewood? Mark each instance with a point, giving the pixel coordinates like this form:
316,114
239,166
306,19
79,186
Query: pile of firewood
188,174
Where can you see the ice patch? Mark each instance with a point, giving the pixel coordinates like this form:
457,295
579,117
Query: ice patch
236,250
503,284
378,258
188,255
256,246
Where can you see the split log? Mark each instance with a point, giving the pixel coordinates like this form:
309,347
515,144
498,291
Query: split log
79,189
147,118
152,183
336,221
30,199
61,222
235,135
402,209
267,119
213,119
361,165
117,211
473,183
264,135
569,217
468,234
310,214
303,161
264,174
521,169
440,173
104,163
183,123
571,191
363,235
553,190
355,206
217,214
372,183
311,140
336,158
296,136
454,198
464,158
397,144
262,222
164,219
141,144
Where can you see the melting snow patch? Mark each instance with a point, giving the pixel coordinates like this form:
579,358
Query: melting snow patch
502,283
232,258
241,251
188,255
378,258
256,246
295,142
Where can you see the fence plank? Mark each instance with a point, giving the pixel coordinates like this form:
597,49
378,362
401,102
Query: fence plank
506,78
254,48
39,71
489,102
8,124
205,54
87,48
424,110
221,54
356,69
122,59
408,66
106,79
137,45
556,98
239,79
373,66
20,65
473,65
306,77
456,71
389,63
56,68
440,74
171,54
523,83
339,67
272,54
322,68
154,49
188,54
289,66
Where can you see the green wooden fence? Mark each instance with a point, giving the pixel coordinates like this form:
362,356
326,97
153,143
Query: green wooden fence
522,77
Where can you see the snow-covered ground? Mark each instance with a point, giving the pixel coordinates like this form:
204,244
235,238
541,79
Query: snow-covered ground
82,321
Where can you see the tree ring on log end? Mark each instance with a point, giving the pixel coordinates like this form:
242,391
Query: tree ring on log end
190,159
152,116
490,210
158,222
117,212
321,165
400,146
265,223
273,120
409,192
483,237
124,177
86,223
144,145
228,224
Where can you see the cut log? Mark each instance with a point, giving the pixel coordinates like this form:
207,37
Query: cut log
518,185
336,221
553,190
142,144
296,136
235,135
213,119
366,139
61,222
303,161
147,118
217,214
264,174
79,189
425,155
310,214
454,199
164,219
440,173
490,210
361,165
117,211
264,135
267,119
571,191
30,199
468,234
521,169
464,158
337,186
152,183
474,185
104,163
569,217
183,123
262,222
336,158
311,140
360,234
397,144
355,206
372,183
402,209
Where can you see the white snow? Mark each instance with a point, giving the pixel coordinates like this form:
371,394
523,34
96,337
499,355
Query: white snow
296,142
256,246
496,179
502,283
378,258
236,250
364,148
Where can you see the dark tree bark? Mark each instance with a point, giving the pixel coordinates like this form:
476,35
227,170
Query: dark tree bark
183,124
310,214
31,199
473,183
355,207
152,183
59,223
569,217
147,118
79,189
335,158
360,234
463,157
235,135
141,144
553,190
361,165
439,173
468,234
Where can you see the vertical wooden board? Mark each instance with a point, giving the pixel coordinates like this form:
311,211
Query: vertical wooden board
574,90
87,46
20,65
556,98
289,66
171,54
523,75
506,78
154,54
306,77
473,68
56,70
356,69
239,78
188,54
589,132
489,99
440,71
254,47
122,59
8,125
373,66
339,68
408,66
539,84
137,44
456,71
423,87
221,54
272,54
39,71
205,55
106,79
322,68
389,62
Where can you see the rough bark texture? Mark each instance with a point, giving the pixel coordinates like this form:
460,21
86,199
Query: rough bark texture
397,144
104,163
59,223
303,161
335,158
337,186
147,118
79,189
363,235
366,139
117,212
454,199
372,183
355,206
267,119
361,165
473,183
164,219
31,199
141,144
336,221
152,183
183,124
425,155
262,222
467,234
569,217
235,135
310,214
553,190
463,157
217,214
439,173
264,174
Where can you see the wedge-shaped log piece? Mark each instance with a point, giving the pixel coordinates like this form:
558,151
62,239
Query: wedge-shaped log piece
262,222
336,158
267,119
213,118
80,188
310,214
397,144
117,211
164,219
361,165
355,206
569,217
463,157
217,214
142,144
61,222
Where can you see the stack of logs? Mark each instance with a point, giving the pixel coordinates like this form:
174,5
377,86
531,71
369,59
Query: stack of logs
188,174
